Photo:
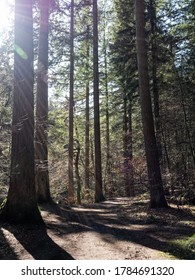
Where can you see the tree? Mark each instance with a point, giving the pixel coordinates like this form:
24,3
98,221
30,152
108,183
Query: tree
21,204
87,115
71,110
155,91
157,198
41,150
107,113
98,162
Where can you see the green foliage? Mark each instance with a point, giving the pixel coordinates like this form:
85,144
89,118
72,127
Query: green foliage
184,248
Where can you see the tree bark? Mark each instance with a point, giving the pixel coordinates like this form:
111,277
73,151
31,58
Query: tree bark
21,205
41,149
157,198
98,162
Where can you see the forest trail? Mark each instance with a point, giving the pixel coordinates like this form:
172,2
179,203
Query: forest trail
116,229
106,234
121,228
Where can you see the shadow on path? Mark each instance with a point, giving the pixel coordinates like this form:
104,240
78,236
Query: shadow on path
112,218
6,252
37,243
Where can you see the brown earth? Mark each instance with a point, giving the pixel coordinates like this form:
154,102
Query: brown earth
116,229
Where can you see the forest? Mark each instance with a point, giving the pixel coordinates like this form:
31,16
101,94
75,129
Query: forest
97,129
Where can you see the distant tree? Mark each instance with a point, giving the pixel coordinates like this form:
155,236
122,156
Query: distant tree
157,198
41,150
21,203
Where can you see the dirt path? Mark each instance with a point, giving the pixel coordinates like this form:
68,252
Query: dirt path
117,229
104,235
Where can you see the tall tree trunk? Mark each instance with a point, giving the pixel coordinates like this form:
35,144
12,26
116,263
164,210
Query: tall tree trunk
108,155
87,145
77,173
108,170
71,110
157,198
98,162
125,146
154,76
165,146
91,140
130,148
21,204
41,149
87,119
127,143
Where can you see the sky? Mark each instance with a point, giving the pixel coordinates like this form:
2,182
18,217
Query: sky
5,17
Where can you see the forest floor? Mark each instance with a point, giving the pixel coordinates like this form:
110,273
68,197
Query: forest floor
116,229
